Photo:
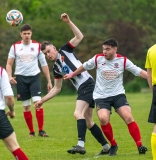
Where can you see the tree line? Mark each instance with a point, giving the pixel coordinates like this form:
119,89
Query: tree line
130,22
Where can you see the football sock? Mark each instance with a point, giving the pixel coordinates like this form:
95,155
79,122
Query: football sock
19,154
81,128
108,132
153,145
135,133
97,133
40,118
80,143
29,121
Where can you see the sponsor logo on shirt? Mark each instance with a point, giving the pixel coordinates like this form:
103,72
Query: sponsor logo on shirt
109,74
26,57
65,69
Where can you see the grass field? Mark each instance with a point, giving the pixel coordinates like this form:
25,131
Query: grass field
61,127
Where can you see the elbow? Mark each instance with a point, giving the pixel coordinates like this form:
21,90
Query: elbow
82,36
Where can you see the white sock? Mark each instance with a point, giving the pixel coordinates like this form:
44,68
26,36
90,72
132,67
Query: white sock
80,143
106,147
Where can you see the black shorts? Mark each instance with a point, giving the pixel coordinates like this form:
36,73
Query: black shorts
152,114
114,101
85,92
6,128
27,87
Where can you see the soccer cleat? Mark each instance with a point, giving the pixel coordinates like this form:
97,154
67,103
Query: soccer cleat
77,149
113,150
42,134
142,149
32,134
102,153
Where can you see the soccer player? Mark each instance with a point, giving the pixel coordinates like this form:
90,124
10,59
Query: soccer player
65,61
26,54
109,91
151,77
7,133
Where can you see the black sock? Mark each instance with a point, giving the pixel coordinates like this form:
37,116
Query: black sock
81,127
97,133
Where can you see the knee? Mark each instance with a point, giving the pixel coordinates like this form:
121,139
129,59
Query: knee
89,123
77,115
128,119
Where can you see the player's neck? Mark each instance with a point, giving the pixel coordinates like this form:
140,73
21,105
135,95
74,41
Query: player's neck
26,42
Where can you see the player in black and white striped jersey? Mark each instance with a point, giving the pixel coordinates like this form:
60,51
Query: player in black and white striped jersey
65,61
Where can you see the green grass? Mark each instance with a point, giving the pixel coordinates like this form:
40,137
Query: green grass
61,127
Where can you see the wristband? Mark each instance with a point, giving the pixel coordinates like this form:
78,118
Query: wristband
73,74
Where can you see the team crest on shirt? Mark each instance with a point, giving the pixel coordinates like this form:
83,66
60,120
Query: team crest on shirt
116,65
62,58
32,49
65,69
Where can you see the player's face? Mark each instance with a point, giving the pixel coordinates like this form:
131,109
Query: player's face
26,36
109,52
51,52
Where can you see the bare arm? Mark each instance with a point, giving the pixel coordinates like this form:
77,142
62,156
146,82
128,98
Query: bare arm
143,74
9,65
53,92
9,100
45,70
78,35
149,77
75,73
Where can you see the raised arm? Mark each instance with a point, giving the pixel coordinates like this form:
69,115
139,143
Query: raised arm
78,35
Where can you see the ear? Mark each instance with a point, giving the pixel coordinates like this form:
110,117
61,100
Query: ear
54,48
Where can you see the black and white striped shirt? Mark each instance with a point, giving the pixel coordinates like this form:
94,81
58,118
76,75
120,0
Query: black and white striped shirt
66,63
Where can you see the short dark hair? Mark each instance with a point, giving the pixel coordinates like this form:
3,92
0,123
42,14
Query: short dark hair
111,42
26,27
44,44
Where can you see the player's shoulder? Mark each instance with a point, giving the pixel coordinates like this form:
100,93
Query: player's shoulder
34,41
120,56
99,55
19,42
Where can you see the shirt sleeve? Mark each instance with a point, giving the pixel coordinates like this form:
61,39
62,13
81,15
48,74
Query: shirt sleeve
133,68
147,63
5,84
42,59
11,52
90,64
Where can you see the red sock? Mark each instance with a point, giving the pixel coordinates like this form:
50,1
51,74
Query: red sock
29,121
40,118
19,154
108,132
135,133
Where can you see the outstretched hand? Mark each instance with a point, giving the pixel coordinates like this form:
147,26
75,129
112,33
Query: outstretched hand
67,76
65,17
38,104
